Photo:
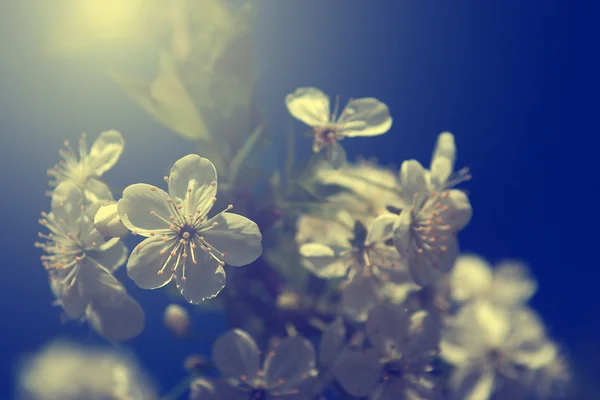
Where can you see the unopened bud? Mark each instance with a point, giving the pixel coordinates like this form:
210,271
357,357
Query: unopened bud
108,222
177,319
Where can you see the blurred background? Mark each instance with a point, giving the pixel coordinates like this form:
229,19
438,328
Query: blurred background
516,82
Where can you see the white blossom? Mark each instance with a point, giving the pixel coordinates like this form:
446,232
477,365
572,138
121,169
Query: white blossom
491,346
425,232
398,365
284,373
108,222
80,264
361,117
67,371
365,260
473,279
182,242
84,167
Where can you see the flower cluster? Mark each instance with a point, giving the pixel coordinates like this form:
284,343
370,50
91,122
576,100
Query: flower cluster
374,261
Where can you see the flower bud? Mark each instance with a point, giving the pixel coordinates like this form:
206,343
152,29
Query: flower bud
108,222
177,319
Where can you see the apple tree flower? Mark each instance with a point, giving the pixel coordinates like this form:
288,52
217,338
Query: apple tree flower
108,222
473,279
182,243
285,369
364,258
84,167
399,363
80,264
492,347
425,232
361,117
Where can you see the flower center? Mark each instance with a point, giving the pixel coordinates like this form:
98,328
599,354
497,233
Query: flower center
186,232
326,135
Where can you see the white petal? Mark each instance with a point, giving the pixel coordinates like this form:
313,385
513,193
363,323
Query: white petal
236,355
414,182
444,155
191,181
359,296
289,364
527,344
453,353
98,283
365,117
358,371
236,236
513,284
66,203
471,278
116,322
105,152
382,228
146,261
309,105
459,209
324,261
107,221
472,382
387,329
494,321
96,191
203,280
137,206
112,258
430,265
332,342
72,300
334,154
203,389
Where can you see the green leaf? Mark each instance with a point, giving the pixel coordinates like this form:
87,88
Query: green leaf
240,157
167,100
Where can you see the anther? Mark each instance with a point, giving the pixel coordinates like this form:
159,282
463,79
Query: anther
213,183
153,188
153,213
166,179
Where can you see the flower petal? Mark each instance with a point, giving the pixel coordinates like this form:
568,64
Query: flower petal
72,300
289,364
365,117
382,228
97,282
471,278
116,322
201,281
512,283
359,296
309,105
387,329
472,382
459,209
444,155
236,236
145,262
324,261
66,203
332,342
358,371
414,182
136,207
112,258
236,356
191,180
105,152
96,191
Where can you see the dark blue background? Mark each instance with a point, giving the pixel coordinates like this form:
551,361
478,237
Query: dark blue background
516,82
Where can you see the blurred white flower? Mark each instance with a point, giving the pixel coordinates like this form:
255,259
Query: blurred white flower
285,369
177,319
108,222
84,168
80,264
181,241
361,117
365,259
473,279
492,346
425,232
67,371
398,365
